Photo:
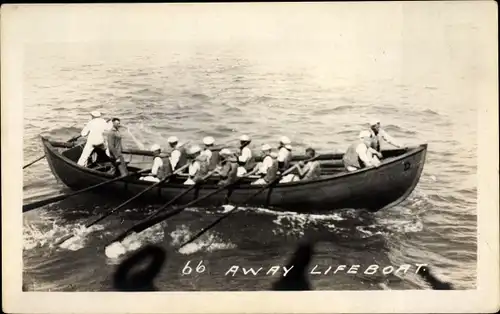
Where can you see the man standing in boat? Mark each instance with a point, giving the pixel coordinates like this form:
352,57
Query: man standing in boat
94,131
115,147
359,155
198,167
210,154
246,160
377,133
268,168
178,157
229,167
284,153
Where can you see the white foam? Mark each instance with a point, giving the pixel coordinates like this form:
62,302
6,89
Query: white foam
35,236
134,241
368,233
80,237
227,208
208,242
115,250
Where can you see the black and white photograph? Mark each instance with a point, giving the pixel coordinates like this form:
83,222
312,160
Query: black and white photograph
251,147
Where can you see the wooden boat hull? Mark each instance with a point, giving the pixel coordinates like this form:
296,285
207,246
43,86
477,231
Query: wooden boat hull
371,189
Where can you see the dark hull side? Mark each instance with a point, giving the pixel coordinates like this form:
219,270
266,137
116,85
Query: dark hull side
371,189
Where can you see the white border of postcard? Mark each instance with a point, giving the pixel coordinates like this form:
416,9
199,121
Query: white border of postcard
21,24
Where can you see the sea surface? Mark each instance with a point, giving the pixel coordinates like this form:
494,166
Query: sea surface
319,93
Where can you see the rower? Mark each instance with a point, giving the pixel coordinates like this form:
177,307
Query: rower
211,155
359,154
312,169
198,166
115,148
159,170
378,133
246,160
268,168
229,167
284,153
305,172
95,140
178,155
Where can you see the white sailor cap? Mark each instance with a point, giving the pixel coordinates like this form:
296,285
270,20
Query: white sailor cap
208,140
374,121
173,139
364,134
245,138
274,154
289,147
285,140
194,149
155,147
266,147
95,114
225,152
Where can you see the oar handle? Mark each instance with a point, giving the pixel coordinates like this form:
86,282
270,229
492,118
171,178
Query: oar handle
296,165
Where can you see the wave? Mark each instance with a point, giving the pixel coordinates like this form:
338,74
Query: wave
431,112
133,242
209,242
199,96
36,235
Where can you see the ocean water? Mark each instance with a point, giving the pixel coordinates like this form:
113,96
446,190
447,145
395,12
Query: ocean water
320,93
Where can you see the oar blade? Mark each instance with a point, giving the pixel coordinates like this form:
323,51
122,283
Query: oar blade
64,239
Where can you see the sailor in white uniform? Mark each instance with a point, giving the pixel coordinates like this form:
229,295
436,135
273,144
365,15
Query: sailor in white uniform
246,158
94,131
198,166
157,165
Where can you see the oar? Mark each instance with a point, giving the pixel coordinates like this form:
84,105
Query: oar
154,219
58,198
43,156
38,159
112,211
202,231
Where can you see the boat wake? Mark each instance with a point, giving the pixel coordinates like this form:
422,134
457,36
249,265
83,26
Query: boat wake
406,220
